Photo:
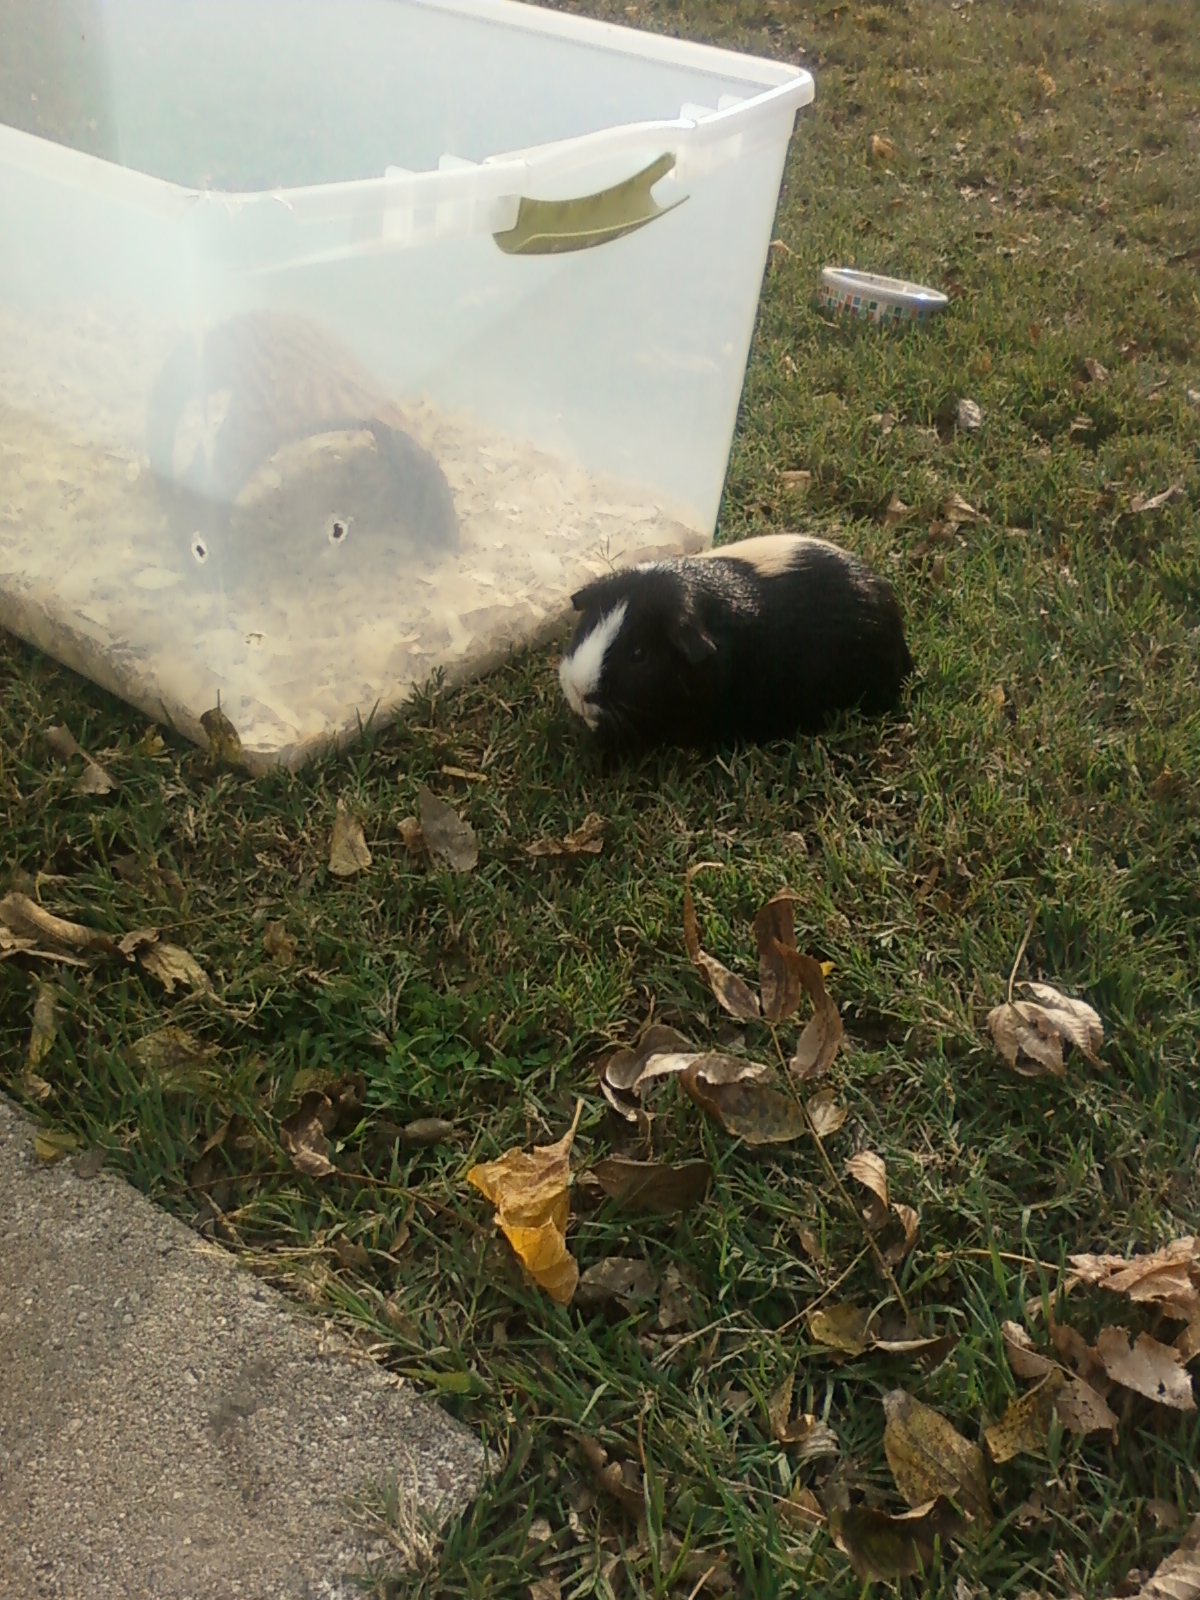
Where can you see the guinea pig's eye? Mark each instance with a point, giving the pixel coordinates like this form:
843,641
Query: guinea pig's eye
638,653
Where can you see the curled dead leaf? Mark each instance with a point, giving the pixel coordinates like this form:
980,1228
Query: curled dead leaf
529,1190
1096,371
1169,1278
823,1033
929,1457
1030,1034
1082,1410
826,1113
44,1029
623,1071
871,1171
808,1434
1023,1358
171,964
1150,1368
27,920
653,1186
224,742
732,992
94,779
1188,1342
775,935
447,837
620,1479
910,1222
742,1102
880,150
411,836
1155,502
348,851
895,513
882,1548
585,840
302,1135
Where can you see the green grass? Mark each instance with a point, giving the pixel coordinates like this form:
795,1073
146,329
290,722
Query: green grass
1069,226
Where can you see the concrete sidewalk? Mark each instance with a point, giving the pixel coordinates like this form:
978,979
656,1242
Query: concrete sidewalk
170,1427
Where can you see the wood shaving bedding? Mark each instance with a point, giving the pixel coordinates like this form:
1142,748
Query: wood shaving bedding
91,572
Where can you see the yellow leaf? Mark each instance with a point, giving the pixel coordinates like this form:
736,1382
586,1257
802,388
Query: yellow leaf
1025,1426
45,1025
840,1327
529,1190
224,743
929,1457
52,1144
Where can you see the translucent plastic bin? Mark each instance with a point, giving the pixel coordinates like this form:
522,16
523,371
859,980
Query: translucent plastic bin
340,340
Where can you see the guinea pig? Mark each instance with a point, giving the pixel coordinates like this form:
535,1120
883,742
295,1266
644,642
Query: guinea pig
226,405
753,641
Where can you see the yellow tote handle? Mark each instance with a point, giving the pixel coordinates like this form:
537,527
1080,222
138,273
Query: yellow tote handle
556,227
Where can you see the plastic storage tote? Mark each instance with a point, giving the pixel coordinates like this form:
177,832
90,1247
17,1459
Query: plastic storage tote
341,340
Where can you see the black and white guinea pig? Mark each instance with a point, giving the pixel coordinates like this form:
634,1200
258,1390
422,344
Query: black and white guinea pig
753,641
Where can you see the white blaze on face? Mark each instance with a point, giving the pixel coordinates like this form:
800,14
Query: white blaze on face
579,671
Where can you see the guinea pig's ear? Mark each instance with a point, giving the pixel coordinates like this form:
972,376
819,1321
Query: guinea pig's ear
688,635
581,597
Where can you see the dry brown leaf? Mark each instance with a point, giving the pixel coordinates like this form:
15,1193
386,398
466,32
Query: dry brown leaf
348,851
424,1132
1155,502
881,150
1082,1410
929,1457
775,935
826,1113
624,1070
1188,1342
45,1025
653,1186
841,1327
823,1032
351,1254
93,779
171,965
545,1588
1046,84
302,1135
1178,1577
279,944
1025,1426
1023,1358
621,1480
801,1510
530,1192
1030,1034
585,840
675,1298
736,996
1075,1350
1169,1277
810,1436
871,1172
26,919
779,1407
52,1144
447,837
12,945
744,1105
797,481
882,1548
910,1222
173,1057
1097,372
624,1279
410,833
224,743
1153,1369
896,512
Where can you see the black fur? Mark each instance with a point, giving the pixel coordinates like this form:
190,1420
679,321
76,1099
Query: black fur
713,650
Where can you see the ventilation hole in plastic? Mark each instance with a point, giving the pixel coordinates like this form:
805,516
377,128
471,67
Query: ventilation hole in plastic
339,527
199,550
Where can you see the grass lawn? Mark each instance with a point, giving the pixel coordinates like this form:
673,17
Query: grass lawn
1045,169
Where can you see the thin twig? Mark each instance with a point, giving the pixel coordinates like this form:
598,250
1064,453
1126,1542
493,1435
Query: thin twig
1020,952
831,1173
1001,1255
701,1581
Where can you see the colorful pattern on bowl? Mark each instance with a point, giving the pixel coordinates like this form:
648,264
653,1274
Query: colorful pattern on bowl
875,302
